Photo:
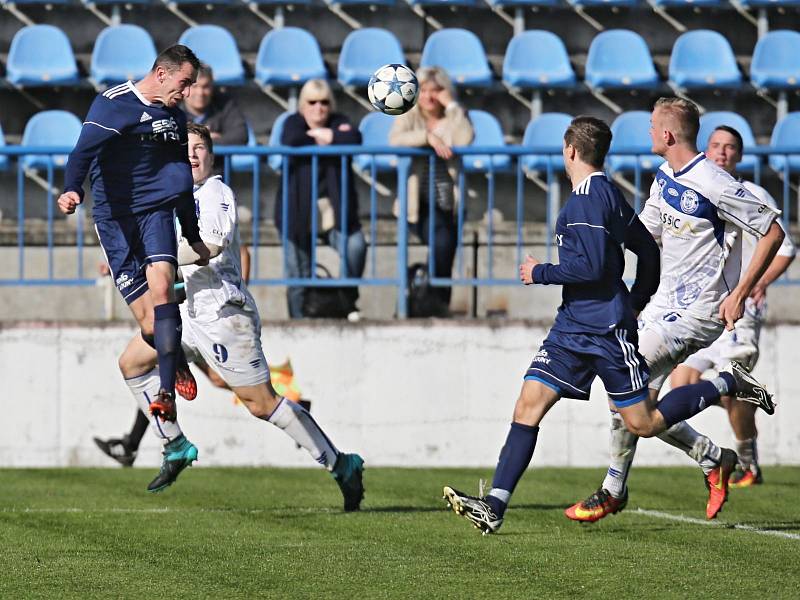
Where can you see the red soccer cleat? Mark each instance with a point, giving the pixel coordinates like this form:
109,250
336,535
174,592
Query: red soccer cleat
746,478
185,383
163,406
717,482
596,506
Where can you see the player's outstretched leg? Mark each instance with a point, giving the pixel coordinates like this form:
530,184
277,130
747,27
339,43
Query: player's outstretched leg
487,512
124,449
178,452
347,469
612,496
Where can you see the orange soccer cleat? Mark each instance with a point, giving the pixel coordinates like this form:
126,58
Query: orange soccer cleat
717,482
164,406
595,507
185,383
746,478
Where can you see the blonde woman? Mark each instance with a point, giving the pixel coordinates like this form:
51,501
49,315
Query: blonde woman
437,122
316,123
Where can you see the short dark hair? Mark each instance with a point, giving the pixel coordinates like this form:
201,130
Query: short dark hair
174,57
733,132
591,137
203,132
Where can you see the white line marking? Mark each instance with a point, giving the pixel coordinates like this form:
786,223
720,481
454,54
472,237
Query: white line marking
680,518
146,511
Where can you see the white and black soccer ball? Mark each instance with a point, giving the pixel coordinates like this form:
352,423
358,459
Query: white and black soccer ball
393,89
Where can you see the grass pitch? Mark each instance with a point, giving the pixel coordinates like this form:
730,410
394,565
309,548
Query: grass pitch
279,533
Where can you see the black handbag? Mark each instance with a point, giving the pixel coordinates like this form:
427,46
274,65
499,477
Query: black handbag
329,302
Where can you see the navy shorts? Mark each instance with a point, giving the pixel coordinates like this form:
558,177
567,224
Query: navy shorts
568,363
133,241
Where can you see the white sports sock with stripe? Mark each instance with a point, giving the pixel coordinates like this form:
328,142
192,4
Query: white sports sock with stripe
144,388
696,445
623,449
747,450
299,425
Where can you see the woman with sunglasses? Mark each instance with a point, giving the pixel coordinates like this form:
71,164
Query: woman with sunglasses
316,123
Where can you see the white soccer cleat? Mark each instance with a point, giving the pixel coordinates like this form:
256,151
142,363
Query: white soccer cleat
748,389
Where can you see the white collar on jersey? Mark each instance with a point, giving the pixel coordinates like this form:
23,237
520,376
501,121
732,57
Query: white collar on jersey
197,186
136,91
688,166
587,178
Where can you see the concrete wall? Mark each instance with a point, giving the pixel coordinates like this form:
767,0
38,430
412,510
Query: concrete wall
420,394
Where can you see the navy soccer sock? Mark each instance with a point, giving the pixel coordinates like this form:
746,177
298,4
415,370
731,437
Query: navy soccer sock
686,401
514,459
167,333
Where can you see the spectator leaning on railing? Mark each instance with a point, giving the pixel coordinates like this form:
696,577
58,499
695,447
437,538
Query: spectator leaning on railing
438,122
218,112
315,123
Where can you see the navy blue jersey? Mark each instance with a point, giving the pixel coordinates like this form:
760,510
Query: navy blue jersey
591,233
135,153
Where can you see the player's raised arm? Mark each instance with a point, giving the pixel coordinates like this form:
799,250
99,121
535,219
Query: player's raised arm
101,125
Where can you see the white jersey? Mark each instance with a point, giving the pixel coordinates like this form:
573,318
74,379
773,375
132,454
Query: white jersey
218,284
699,213
749,241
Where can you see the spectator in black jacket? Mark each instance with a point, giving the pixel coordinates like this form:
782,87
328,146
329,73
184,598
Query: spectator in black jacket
216,111
316,123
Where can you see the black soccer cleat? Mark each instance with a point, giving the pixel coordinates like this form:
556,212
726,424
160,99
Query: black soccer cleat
476,510
349,474
748,389
117,448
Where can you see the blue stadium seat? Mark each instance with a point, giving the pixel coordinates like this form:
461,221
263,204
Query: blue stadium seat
50,128
606,3
375,128
41,55
216,47
776,61
182,2
619,58
363,51
3,158
631,133
703,59
546,133
499,3
362,2
537,59
246,162
104,2
275,161
288,56
461,54
444,2
711,120
785,136
487,133
121,53
686,3
769,3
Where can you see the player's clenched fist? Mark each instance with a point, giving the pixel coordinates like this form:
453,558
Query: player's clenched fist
526,270
68,202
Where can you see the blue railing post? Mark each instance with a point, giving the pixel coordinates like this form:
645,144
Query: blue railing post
403,171
256,217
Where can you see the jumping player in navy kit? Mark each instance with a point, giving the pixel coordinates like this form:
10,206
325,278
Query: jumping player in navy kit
133,147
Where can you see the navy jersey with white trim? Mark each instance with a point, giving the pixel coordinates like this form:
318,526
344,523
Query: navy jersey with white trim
592,231
134,152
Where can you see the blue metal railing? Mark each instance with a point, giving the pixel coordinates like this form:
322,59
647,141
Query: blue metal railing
549,178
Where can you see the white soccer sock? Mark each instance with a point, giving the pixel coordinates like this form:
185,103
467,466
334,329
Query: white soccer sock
748,453
299,425
144,388
696,445
623,449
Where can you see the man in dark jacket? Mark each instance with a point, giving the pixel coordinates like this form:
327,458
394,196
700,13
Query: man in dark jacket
315,123
216,111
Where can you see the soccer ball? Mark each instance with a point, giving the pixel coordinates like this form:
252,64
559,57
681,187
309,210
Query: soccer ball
393,89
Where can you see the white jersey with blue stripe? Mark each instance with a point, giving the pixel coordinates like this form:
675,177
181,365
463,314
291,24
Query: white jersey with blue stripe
220,283
699,214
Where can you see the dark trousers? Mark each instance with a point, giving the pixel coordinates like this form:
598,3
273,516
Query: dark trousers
445,239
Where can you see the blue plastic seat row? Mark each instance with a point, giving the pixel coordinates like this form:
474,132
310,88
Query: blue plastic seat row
41,55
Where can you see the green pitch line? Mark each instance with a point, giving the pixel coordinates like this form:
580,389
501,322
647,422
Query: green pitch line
281,533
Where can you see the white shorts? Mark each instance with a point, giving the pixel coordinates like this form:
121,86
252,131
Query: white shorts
741,344
667,337
230,344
